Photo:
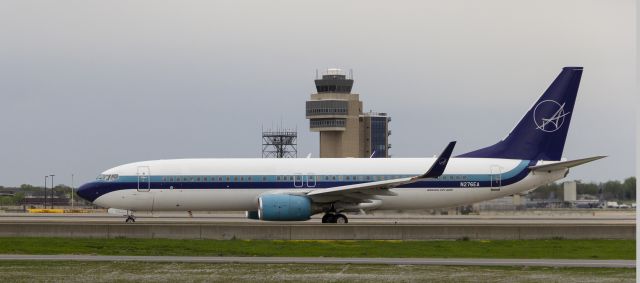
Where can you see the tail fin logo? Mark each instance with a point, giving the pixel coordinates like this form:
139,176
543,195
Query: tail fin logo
555,113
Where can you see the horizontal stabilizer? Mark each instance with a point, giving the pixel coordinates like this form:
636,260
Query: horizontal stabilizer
565,164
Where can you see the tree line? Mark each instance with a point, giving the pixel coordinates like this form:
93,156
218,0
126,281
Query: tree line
609,190
15,195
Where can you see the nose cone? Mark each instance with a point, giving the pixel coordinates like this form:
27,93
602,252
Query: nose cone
88,191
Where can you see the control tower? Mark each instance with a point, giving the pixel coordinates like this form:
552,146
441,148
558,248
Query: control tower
336,114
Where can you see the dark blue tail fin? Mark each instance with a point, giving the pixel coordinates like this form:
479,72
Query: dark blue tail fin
541,133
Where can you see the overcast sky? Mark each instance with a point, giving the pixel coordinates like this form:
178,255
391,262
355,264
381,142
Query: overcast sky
88,85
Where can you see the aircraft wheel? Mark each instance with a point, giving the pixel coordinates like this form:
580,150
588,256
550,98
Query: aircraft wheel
341,219
327,218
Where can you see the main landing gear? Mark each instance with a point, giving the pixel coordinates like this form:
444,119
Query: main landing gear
335,218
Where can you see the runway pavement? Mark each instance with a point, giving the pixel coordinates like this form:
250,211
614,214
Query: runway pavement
324,260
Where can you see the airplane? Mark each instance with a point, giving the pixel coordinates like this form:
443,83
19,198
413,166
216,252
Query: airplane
294,189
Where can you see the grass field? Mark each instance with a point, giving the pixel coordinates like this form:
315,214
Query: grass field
526,249
63,271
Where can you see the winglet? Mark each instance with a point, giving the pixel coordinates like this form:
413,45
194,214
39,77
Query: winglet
441,163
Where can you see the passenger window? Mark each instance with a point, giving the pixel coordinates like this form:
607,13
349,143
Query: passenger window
264,178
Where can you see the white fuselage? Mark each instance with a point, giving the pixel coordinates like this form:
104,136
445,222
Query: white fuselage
236,184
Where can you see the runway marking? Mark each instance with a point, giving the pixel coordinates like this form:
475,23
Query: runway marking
329,260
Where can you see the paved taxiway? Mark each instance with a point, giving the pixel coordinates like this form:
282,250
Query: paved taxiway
325,260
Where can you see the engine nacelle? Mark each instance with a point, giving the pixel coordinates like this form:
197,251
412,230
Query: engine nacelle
252,215
281,207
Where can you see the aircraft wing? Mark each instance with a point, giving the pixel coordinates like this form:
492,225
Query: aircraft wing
367,190
564,164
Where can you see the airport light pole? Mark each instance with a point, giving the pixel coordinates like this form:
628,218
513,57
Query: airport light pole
72,191
45,191
52,186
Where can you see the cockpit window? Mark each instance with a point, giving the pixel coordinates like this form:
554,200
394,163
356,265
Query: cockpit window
107,177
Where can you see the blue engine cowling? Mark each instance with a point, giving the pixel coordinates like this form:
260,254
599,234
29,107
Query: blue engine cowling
281,207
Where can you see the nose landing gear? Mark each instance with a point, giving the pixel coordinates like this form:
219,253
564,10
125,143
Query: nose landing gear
130,217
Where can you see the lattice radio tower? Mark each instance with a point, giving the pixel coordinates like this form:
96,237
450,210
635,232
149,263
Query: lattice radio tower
281,143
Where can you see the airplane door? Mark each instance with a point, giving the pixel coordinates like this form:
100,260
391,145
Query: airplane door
311,180
144,178
496,178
